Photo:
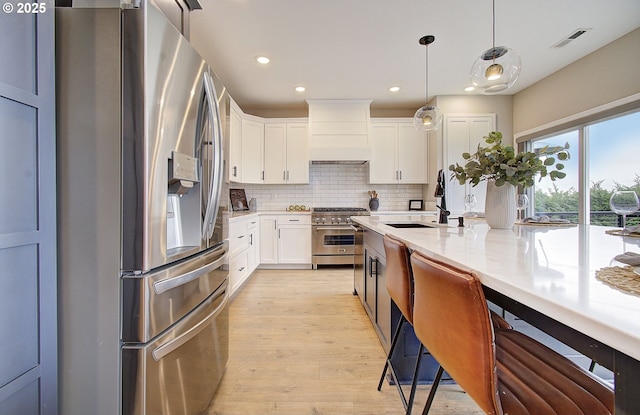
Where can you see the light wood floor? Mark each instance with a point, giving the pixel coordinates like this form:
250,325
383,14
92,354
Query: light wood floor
301,343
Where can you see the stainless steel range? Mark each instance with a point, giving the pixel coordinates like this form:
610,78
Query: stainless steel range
333,236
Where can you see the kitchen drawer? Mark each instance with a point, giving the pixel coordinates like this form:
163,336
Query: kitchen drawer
294,220
238,270
238,237
252,224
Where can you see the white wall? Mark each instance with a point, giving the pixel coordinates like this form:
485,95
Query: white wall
606,75
332,185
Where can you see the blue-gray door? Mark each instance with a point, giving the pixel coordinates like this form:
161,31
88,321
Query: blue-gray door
28,315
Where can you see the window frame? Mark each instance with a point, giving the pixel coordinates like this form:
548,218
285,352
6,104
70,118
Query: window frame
580,123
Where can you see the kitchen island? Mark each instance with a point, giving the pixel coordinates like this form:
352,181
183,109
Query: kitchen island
546,275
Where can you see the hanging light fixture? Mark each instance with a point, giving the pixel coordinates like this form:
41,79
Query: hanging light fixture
497,68
428,117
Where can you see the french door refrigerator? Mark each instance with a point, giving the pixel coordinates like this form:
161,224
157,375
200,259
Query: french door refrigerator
143,295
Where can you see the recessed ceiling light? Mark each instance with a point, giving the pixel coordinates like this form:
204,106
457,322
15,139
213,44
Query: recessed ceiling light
394,89
262,59
301,89
469,89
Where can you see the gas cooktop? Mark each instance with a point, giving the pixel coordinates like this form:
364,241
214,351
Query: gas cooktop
339,209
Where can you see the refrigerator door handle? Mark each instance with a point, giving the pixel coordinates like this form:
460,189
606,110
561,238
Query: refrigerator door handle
213,114
164,349
165,285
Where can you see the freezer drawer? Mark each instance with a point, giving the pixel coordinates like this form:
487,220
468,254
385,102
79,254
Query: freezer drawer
177,373
154,301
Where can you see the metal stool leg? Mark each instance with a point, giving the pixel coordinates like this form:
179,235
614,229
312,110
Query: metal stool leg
414,380
393,346
432,392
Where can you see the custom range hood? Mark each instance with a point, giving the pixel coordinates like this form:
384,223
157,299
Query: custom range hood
339,131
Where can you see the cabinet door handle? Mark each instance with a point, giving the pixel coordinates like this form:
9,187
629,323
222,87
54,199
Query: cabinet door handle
287,174
262,174
284,175
235,171
373,271
278,233
400,171
251,239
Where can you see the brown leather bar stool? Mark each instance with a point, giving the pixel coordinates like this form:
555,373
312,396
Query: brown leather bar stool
502,370
400,287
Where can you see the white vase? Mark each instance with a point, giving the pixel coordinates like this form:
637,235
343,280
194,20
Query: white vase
500,205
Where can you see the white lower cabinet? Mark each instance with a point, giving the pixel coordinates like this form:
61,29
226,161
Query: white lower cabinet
243,250
238,271
285,239
268,239
253,252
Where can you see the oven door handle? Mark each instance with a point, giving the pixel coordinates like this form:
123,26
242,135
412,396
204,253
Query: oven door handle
332,228
357,228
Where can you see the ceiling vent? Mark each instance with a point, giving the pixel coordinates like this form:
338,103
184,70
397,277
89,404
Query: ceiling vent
573,36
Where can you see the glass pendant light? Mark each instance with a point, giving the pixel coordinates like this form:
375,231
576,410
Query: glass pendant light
428,117
497,68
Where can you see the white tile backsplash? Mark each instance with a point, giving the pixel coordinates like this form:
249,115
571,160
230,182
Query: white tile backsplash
332,185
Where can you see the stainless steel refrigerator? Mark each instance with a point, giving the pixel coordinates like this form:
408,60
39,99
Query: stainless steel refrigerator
143,295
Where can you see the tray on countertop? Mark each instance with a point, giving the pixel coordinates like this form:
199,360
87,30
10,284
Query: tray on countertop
557,224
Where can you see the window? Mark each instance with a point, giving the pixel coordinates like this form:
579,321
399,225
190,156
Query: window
559,198
611,164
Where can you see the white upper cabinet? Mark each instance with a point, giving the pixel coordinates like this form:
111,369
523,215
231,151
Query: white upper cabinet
244,147
234,143
286,153
274,151
399,153
252,150
462,134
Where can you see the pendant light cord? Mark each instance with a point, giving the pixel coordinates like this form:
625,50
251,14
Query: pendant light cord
426,76
493,31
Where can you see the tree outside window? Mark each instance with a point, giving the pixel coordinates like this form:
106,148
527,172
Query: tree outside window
612,165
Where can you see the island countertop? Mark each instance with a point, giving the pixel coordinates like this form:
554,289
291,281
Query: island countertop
549,269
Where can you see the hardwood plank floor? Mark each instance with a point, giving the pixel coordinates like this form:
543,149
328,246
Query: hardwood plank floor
301,343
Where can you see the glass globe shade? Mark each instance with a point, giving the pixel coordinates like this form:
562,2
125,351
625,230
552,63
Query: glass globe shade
427,118
496,70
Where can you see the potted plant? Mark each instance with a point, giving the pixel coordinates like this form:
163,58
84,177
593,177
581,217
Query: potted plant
504,169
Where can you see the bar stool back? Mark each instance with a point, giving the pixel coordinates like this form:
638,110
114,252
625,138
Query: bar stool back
400,287
502,370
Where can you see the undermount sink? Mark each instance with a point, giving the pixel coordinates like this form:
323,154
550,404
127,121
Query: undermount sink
409,225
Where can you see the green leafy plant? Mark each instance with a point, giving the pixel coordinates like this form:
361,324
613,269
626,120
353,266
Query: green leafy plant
502,164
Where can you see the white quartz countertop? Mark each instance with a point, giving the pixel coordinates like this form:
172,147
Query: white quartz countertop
550,269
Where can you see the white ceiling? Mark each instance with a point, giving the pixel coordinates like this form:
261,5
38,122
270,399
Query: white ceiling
357,49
